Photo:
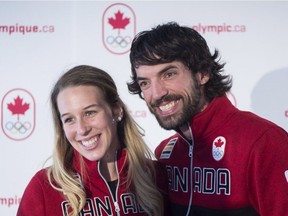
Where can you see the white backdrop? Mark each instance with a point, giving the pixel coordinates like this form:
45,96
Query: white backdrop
41,40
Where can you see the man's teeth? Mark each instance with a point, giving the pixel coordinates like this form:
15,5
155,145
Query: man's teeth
167,106
89,142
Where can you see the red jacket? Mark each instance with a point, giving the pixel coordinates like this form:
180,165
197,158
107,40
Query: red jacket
236,164
40,199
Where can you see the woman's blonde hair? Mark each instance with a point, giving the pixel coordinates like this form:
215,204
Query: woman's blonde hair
141,172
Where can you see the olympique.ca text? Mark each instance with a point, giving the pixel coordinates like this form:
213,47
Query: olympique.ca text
26,29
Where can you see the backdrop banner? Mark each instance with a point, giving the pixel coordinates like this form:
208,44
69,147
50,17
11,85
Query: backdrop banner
40,40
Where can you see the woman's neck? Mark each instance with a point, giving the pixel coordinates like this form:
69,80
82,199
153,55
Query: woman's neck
108,170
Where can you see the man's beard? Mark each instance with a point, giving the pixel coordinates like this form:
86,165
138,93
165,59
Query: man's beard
190,108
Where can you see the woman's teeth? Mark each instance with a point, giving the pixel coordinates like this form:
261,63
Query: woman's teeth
89,142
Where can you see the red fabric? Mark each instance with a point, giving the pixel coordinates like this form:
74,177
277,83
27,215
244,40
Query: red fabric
254,161
40,198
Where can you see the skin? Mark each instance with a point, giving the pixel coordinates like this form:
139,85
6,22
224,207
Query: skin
89,125
172,93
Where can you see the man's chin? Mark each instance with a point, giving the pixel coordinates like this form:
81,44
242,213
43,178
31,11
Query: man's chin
167,124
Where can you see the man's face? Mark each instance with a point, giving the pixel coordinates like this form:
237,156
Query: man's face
171,92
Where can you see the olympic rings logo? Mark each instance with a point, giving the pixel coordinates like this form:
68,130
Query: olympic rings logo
218,153
119,41
18,127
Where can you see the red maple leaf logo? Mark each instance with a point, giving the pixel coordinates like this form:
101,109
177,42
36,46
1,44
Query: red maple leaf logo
218,143
18,108
119,22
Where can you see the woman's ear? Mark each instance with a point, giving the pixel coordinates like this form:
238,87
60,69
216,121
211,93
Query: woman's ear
118,112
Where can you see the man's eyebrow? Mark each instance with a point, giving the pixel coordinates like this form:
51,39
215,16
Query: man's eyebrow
140,78
168,67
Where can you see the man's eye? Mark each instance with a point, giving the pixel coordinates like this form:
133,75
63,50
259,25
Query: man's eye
169,74
143,84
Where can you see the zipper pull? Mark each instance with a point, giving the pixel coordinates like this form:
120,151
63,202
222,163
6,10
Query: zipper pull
190,151
116,205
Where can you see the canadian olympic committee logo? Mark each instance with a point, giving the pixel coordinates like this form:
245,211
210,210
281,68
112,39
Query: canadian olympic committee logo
18,114
218,148
118,28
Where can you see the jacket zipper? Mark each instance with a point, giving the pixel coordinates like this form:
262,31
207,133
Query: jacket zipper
116,204
190,154
115,201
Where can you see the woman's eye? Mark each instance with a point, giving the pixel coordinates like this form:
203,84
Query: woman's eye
67,120
90,113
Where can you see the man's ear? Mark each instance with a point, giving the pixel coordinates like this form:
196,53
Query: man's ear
202,77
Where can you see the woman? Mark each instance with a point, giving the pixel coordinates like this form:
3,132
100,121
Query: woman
101,165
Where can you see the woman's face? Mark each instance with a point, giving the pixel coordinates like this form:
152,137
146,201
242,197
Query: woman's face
88,122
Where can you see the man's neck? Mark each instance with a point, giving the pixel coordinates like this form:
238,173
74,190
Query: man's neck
185,129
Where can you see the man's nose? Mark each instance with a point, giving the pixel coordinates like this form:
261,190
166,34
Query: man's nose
159,90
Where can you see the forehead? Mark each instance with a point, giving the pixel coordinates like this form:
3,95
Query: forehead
79,95
80,91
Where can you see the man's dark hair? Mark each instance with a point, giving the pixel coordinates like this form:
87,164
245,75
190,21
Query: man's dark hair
170,42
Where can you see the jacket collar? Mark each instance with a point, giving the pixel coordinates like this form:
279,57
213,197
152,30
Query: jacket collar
91,167
213,117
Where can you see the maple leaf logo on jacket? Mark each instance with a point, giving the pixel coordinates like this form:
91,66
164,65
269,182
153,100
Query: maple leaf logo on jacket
119,28
218,148
18,114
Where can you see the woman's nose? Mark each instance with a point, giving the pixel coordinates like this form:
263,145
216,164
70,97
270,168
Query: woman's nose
83,127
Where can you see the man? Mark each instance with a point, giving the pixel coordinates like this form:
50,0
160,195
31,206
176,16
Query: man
222,161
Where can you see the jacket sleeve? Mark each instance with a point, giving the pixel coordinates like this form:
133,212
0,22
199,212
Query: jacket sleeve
32,201
268,173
